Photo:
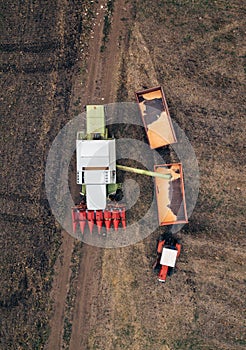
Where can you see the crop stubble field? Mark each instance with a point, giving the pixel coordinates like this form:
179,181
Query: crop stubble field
195,50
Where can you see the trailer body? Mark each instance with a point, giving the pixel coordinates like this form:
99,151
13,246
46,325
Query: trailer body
156,118
170,195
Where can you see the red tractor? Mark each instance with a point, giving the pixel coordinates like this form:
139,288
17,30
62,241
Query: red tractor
168,250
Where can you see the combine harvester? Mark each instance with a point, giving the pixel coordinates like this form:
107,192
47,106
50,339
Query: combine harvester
96,172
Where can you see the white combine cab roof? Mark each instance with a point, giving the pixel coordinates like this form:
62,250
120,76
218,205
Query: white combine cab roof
96,167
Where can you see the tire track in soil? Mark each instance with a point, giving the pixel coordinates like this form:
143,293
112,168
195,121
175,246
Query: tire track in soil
59,291
101,81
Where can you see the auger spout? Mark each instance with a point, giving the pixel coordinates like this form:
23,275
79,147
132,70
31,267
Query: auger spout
144,172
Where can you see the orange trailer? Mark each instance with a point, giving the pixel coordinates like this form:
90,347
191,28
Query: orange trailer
171,195
156,118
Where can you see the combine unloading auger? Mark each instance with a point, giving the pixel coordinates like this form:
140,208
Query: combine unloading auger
144,172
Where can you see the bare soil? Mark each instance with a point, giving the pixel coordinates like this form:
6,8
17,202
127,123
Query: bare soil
59,294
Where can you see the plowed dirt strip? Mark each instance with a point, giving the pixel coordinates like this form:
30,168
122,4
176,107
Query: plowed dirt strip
31,113
59,292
